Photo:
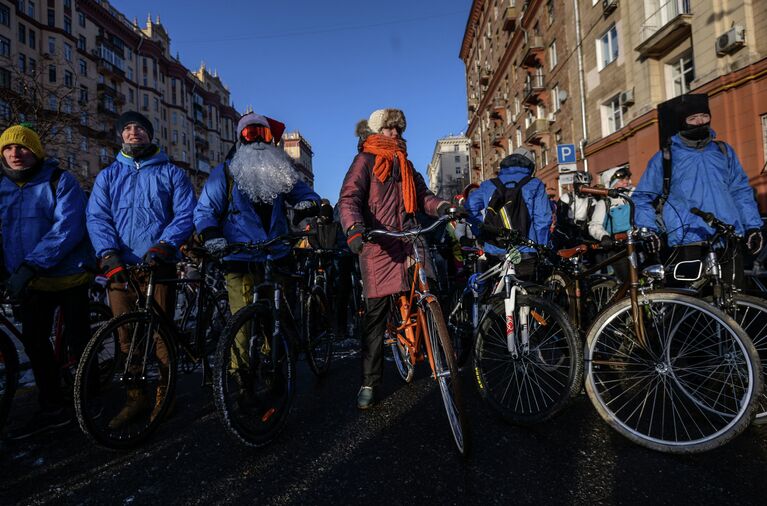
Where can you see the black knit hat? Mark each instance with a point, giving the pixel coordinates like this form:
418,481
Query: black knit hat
689,104
129,117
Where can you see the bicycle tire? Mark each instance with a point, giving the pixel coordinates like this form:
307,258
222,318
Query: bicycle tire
553,366
98,404
460,326
751,314
446,374
216,317
403,364
239,394
684,362
318,331
9,374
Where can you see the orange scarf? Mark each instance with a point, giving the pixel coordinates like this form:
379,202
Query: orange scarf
385,149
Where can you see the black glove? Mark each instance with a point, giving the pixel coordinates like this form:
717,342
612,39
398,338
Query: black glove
162,252
355,238
607,242
754,240
443,208
114,269
326,212
652,242
303,210
19,280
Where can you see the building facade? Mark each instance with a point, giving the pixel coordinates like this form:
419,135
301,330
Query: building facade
592,72
299,149
71,67
448,171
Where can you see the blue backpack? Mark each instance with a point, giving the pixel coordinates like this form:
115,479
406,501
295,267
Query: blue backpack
617,218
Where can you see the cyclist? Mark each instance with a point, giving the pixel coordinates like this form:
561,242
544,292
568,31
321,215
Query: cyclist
575,211
517,168
611,216
42,210
140,210
245,200
705,174
381,190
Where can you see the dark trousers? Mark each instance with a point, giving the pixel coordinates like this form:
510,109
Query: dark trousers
37,310
377,314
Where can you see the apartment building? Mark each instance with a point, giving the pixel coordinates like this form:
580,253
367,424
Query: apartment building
448,171
71,67
592,72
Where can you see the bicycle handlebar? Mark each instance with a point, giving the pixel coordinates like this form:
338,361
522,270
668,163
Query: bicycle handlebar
404,234
713,222
604,192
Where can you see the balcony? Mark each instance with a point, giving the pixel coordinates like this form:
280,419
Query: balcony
534,87
665,29
484,77
201,143
102,109
510,19
533,51
104,89
537,129
106,68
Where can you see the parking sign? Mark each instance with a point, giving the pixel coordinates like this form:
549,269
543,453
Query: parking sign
566,153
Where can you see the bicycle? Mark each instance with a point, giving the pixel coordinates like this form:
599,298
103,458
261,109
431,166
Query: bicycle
666,370
418,324
528,362
138,373
9,367
255,376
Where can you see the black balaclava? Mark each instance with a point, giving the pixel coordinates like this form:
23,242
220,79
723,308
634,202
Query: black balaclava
22,175
694,103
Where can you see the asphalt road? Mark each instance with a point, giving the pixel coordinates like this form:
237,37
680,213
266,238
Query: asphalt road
399,452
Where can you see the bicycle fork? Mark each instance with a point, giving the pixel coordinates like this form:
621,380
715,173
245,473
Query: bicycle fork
512,336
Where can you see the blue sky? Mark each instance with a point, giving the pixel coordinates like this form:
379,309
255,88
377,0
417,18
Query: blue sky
321,66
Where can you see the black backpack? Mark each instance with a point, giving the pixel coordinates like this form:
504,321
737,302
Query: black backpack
507,208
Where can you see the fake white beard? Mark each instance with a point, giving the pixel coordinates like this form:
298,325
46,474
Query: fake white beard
262,171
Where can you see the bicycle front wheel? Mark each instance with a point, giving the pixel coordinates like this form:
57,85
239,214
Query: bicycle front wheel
9,374
318,328
446,373
253,385
123,391
691,386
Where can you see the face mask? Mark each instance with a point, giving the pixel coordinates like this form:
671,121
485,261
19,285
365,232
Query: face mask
24,174
696,133
138,150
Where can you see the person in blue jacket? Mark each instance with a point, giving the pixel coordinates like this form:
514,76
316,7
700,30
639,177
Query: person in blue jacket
705,175
245,199
514,168
42,211
140,210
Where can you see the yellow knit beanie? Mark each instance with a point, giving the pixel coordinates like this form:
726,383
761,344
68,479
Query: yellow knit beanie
19,134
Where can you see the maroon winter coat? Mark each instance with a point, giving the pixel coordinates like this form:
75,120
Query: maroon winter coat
364,199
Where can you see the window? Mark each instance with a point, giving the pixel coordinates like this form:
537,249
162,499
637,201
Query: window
456,148
22,63
67,52
68,78
68,4
84,118
682,74
556,104
550,10
458,170
5,79
68,24
51,17
84,145
83,94
5,47
5,16
457,157
145,105
131,95
607,47
32,64
81,19
5,109
66,106
553,55
81,43
20,5
32,39
22,34
156,104
83,68
31,9
612,111
130,74
519,136
51,73
52,104
52,45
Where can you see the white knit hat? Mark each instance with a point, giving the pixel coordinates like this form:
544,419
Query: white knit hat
387,118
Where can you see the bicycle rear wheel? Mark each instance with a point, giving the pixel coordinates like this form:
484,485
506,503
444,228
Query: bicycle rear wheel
318,328
9,374
121,398
538,383
446,374
253,386
392,338
459,324
693,387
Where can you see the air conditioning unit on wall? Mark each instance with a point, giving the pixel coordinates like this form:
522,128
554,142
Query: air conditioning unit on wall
627,97
731,40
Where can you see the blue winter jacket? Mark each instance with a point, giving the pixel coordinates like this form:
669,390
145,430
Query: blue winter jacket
703,178
135,204
238,219
534,194
46,232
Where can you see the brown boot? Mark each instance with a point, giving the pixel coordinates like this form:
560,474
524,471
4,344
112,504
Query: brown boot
136,404
162,391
